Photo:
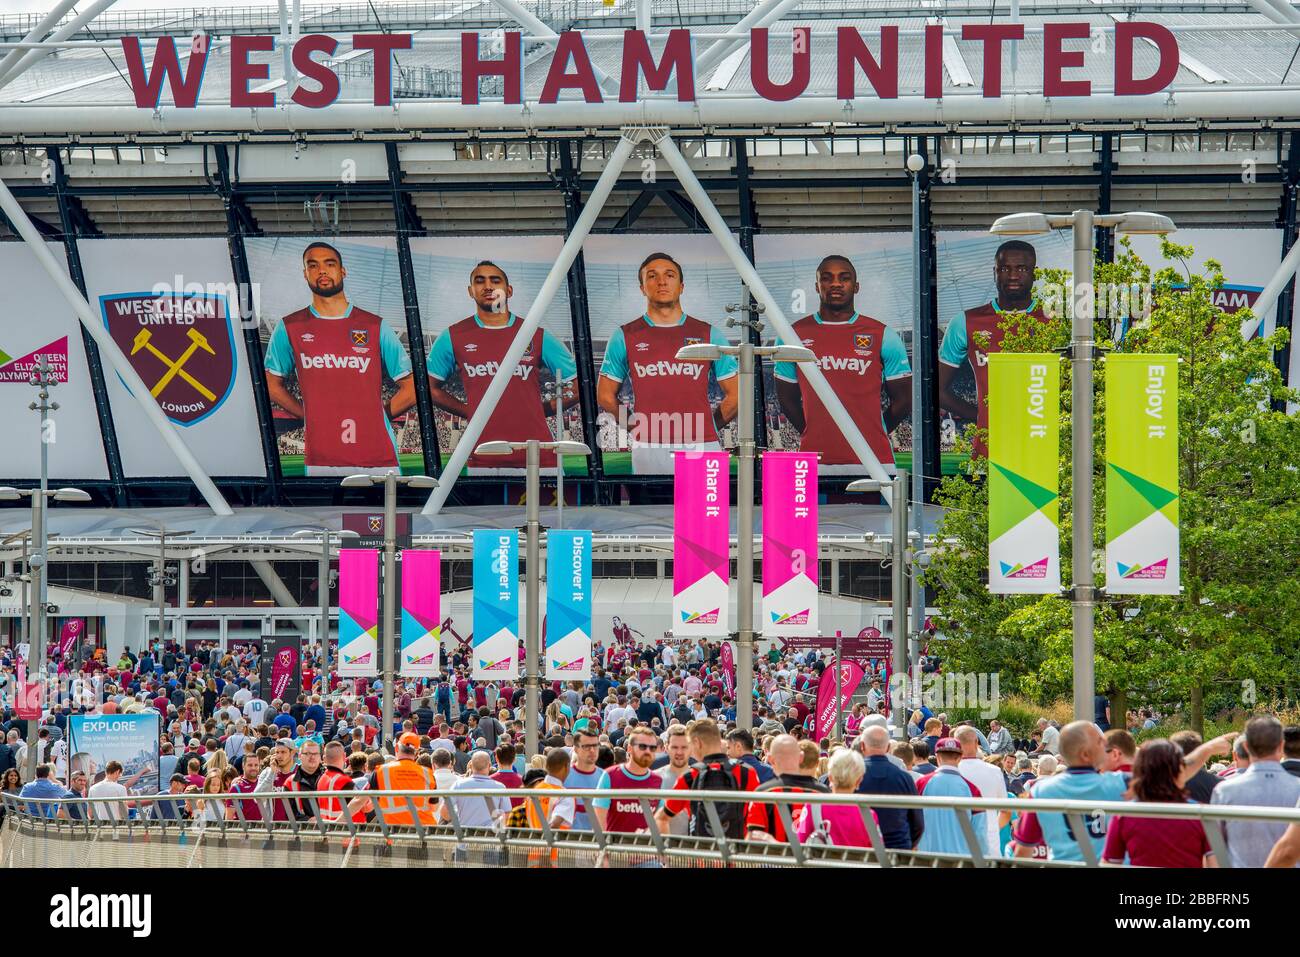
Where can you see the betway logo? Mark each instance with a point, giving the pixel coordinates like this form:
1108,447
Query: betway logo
329,361
844,364
473,371
664,367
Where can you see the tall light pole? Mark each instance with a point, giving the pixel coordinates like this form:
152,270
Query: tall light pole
161,578
36,565
1083,591
327,538
910,639
533,449
748,353
388,634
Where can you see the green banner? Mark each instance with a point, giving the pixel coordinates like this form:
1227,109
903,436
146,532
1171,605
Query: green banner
1142,475
1024,473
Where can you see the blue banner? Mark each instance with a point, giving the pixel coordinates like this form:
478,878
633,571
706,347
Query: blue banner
129,739
568,605
496,604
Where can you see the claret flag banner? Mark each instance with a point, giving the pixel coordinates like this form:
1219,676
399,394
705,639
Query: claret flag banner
421,612
496,603
1142,475
1024,469
789,544
701,544
568,605
358,612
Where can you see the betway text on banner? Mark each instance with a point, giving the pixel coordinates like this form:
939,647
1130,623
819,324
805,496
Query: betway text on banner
1024,474
701,540
789,544
496,603
421,612
1142,547
568,605
358,613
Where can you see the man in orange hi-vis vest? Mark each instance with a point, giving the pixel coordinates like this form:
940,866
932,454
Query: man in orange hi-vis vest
556,811
403,774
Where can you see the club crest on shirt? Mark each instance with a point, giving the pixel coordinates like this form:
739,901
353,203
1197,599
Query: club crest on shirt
360,340
693,340
862,342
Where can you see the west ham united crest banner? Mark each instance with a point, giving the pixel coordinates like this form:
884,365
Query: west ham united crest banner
496,604
1142,475
701,544
358,612
568,605
789,544
421,612
1024,470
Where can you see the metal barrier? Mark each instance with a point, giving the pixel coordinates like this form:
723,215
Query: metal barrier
68,832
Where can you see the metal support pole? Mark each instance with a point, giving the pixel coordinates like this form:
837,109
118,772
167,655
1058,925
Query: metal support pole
532,588
749,226
1286,298
643,15
920,437
1106,167
390,600
161,579
898,578
323,594
1081,363
839,684
559,270
182,598
745,542
36,652
31,57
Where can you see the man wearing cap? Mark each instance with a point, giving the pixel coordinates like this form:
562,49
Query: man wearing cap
943,832
401,774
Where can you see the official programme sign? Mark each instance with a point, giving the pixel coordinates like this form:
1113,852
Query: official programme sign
860,55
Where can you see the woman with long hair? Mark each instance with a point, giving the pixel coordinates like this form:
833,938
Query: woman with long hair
210,698
11,782
210,810
1158,841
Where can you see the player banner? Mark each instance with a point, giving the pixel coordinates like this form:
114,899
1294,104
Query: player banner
131,739
1024,471
789,544
1142,548
727,658
701,537
496,604
358,613
421,612
847,675
568,605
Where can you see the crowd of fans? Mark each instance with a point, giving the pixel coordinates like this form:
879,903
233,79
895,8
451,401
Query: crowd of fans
653,716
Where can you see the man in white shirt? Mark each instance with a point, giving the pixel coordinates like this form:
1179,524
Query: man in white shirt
987,777
109,788
478,811
1051,737
242,696
254,709
669,656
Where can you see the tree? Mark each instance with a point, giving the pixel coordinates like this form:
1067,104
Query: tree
1235,629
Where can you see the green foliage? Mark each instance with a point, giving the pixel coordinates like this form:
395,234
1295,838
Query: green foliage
1238,618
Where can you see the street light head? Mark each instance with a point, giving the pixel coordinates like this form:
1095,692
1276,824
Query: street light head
347,533
9,494
496,448
419,481
1021,224
572,448
358,481
71,495
700,352
793,354
1144,224
309,533
915,163
864,485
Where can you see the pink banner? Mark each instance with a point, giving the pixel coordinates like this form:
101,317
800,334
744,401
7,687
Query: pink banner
728,659
702,542
358,612
789,544
68,635
28,704
849,675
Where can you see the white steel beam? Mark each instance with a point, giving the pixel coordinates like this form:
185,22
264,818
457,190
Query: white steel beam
767,12
109,350
274,583
31,57
36,33
558,274
772,309
529,21
1268,296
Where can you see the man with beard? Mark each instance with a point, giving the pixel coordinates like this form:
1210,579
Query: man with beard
977,333
275,777
475,347
247,784
331,346
634,774
679,762
858,355
671,406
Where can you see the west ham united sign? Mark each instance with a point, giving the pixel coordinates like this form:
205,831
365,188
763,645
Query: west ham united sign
182,346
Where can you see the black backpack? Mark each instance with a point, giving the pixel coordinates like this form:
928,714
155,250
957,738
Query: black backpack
717,776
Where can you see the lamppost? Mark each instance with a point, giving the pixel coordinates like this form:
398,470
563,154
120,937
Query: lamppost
898,578
36,565
390,481
327,538
533,449
161,576
1083,589
748,354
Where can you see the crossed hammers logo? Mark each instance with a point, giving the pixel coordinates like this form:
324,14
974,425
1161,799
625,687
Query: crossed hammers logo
176,367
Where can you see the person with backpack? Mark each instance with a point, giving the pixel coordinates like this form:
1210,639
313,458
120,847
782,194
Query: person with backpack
713,771
762,819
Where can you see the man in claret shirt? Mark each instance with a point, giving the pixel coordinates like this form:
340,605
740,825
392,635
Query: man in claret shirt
858,355
671,409
474,348
339,354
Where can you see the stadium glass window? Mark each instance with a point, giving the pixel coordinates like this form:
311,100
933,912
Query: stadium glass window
824,576
864,579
